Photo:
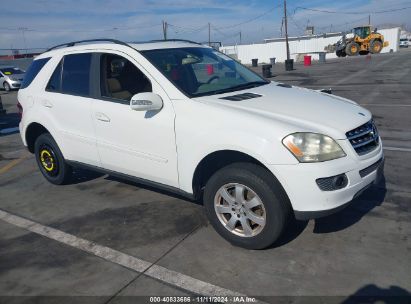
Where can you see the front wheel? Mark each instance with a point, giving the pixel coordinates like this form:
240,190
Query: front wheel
352,49
246,205
51,161
6,87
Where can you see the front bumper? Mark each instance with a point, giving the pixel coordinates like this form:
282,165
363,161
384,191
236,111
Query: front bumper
15,84
308,201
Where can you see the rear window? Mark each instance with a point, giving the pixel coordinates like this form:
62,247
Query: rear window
76,74
33,70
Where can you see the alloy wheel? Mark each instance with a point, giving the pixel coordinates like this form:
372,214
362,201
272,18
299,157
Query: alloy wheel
240,210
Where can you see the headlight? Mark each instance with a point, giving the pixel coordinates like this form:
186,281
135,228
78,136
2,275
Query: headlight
312,147
13,78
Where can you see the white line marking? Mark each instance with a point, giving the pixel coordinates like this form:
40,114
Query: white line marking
160,273
397,149
9,130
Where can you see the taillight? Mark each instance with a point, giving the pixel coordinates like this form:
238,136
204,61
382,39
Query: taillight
20,107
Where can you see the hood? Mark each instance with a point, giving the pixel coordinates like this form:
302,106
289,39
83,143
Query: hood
306,110
18,77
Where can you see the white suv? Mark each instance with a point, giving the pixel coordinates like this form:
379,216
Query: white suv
186,118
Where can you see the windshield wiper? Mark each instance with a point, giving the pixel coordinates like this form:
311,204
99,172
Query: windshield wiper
239,87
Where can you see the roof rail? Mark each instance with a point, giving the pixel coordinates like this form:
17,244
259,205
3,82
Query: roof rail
177,40
88,40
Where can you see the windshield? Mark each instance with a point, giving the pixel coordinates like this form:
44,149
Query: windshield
11,71
203,71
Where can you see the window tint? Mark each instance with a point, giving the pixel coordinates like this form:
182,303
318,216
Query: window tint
54,84
33,70
121,79
76,74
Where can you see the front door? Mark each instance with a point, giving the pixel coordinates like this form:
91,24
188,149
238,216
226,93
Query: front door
137,143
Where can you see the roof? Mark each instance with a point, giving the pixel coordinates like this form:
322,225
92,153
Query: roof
304,37
114,44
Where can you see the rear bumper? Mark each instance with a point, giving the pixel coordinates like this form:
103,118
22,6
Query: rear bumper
309,201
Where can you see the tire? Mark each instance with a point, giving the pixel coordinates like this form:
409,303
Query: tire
6,87
256,187
375,47
51,161
352,49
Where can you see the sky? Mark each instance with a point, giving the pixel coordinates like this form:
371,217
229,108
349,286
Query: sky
44,23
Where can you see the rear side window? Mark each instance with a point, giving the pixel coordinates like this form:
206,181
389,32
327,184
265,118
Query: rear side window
33,70
76,74
54,84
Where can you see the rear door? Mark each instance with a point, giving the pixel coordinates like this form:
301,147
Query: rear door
68,98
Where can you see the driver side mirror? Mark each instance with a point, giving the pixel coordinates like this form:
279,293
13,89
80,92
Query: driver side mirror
146,102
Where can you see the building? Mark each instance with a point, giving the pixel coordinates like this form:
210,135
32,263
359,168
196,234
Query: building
299,46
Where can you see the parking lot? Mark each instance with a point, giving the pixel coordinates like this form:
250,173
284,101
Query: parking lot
106,238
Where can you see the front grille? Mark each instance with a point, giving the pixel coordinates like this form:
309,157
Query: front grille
364,139
370,169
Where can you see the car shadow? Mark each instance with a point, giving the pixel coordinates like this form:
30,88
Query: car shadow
293,230
152,188
9,123
353,213
372,294
81,175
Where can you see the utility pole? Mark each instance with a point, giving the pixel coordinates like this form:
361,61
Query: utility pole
289,65
22,29
209,34
165,29
240,37
282,25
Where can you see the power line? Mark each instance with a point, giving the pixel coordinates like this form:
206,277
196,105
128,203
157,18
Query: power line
298,26
187,30
351,13
80,31
342,24
250,20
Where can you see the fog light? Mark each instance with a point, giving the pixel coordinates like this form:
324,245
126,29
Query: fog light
333,182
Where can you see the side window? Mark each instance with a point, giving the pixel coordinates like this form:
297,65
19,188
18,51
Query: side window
33,70
121,79
54,84
76,74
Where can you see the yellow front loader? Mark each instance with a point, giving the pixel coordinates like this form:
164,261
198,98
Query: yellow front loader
361,41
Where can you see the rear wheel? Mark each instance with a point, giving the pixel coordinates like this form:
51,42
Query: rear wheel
50,160
352,49
246,205
375,46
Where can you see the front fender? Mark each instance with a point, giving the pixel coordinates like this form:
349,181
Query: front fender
190,154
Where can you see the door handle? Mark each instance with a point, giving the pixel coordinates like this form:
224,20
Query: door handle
47,104
102,117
